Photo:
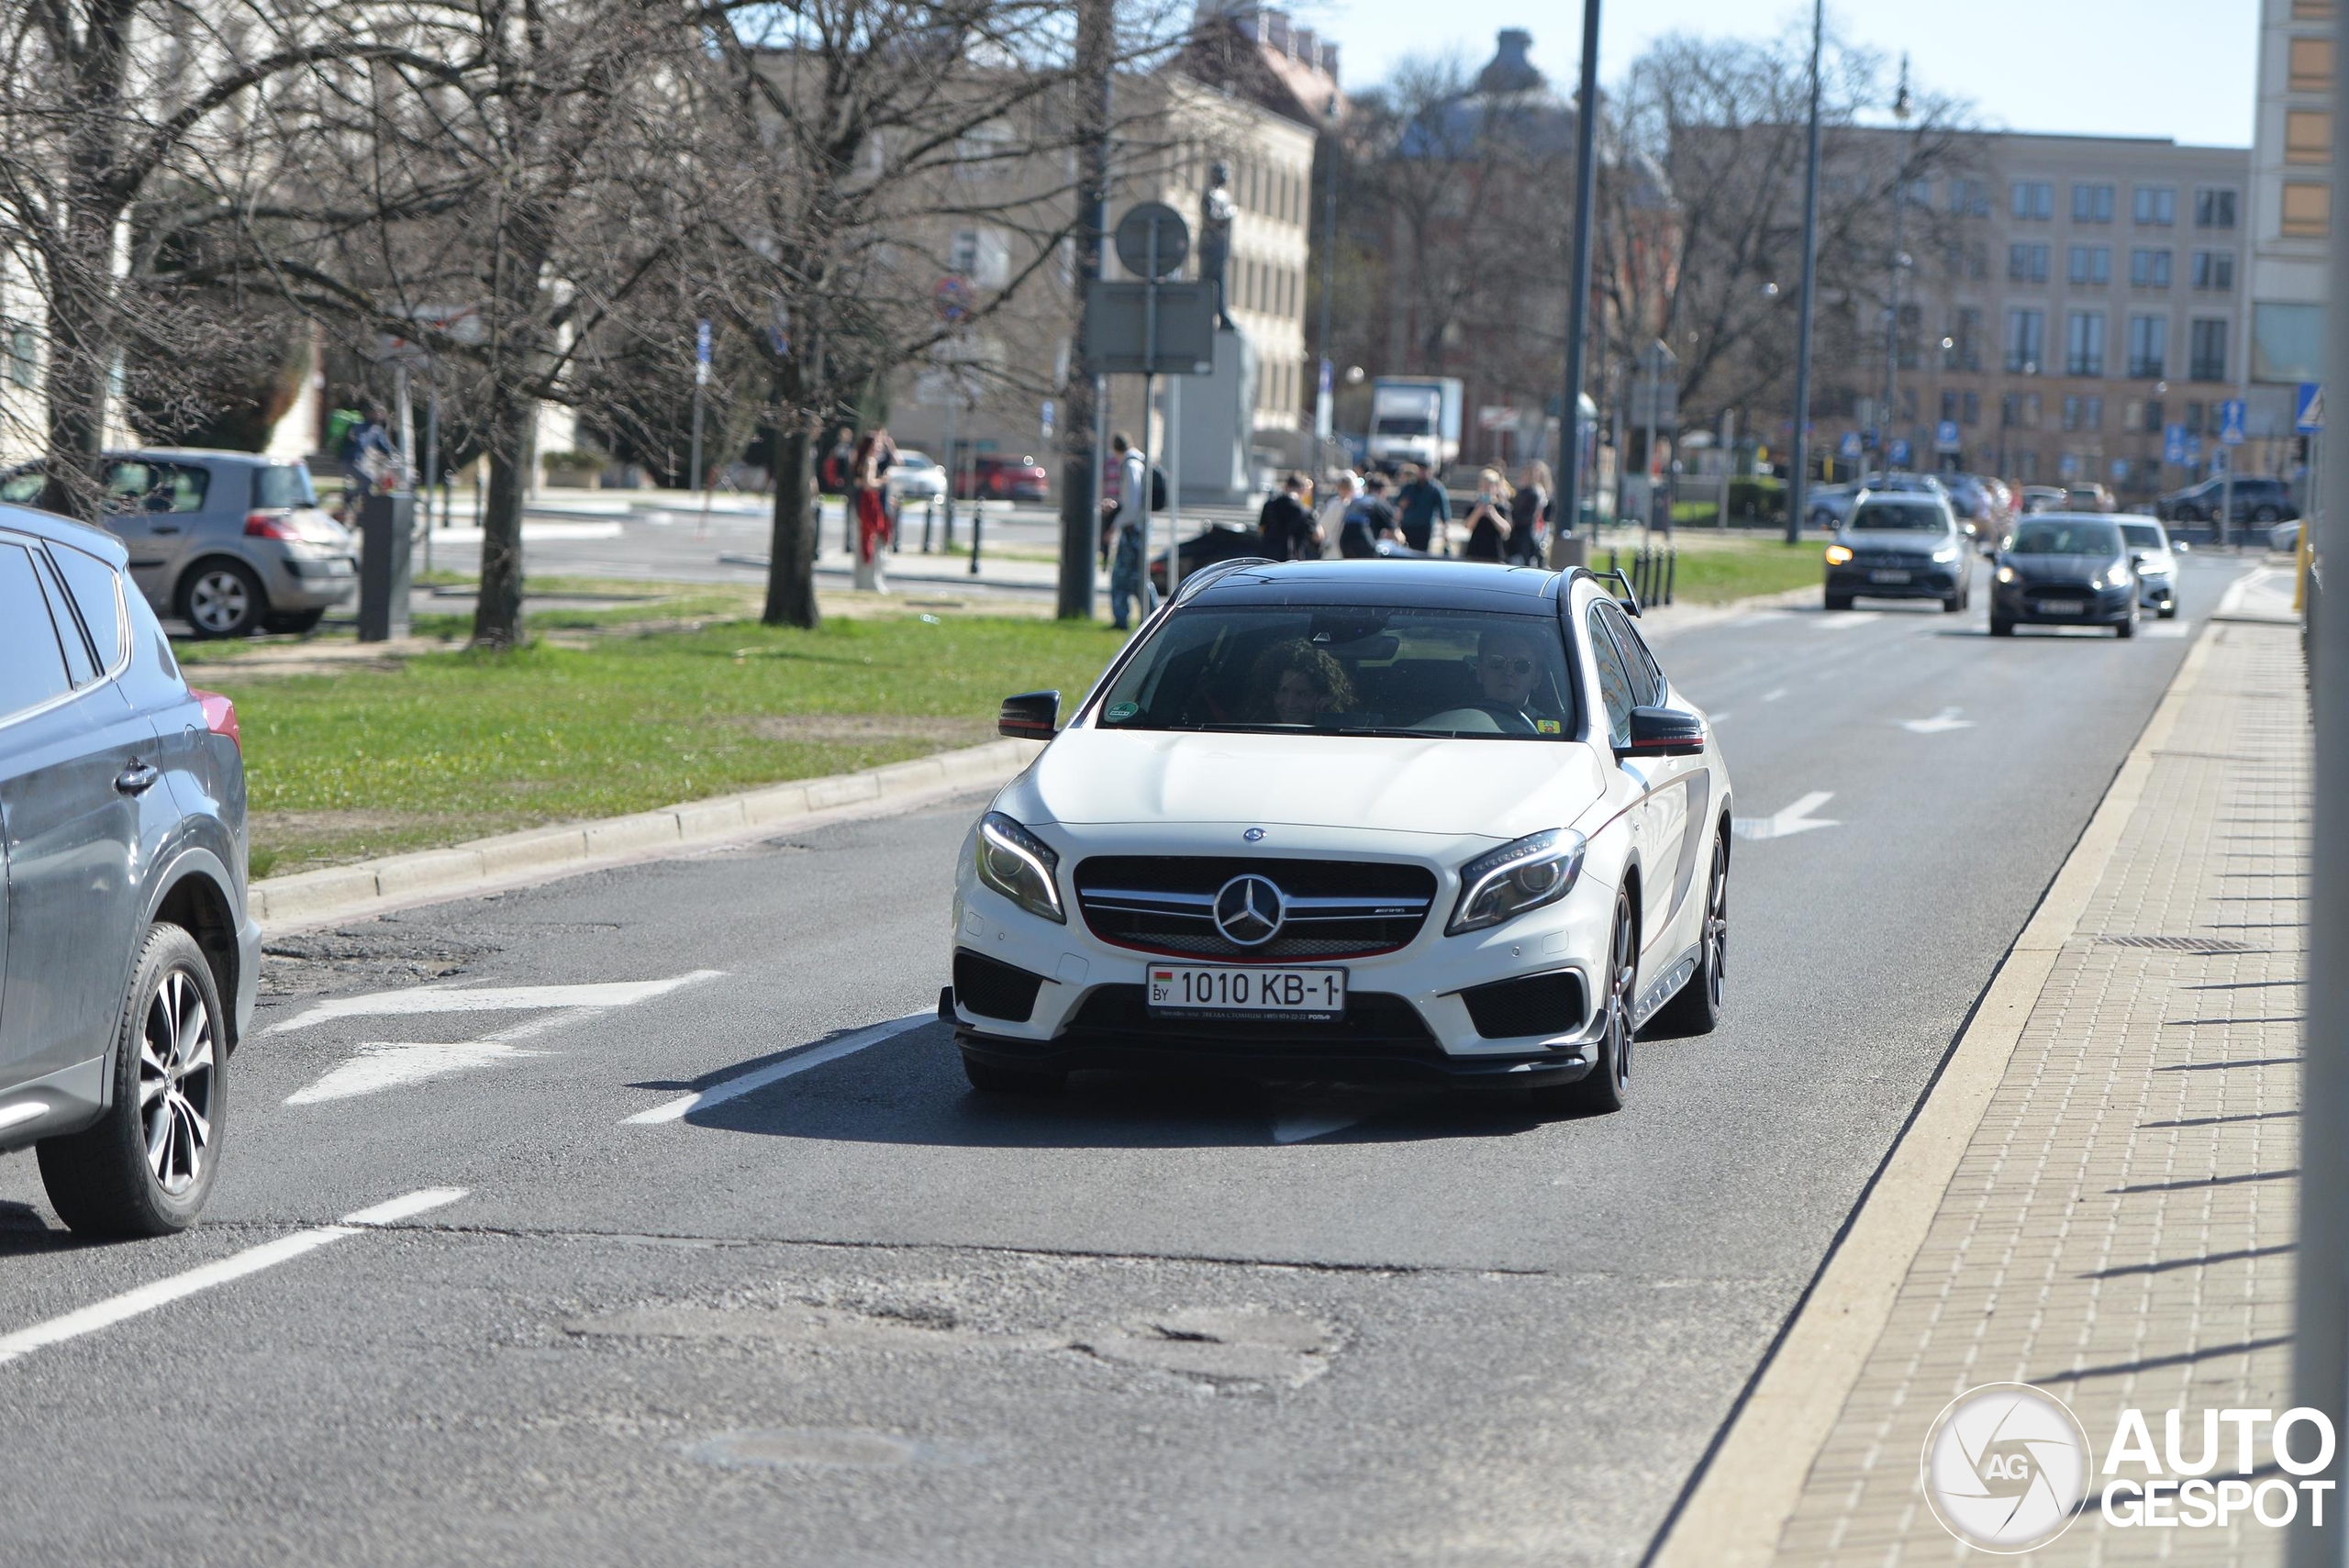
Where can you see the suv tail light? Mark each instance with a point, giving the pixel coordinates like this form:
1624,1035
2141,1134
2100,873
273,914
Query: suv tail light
271,525
219,715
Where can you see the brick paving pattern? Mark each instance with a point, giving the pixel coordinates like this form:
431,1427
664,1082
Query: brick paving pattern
2119,1229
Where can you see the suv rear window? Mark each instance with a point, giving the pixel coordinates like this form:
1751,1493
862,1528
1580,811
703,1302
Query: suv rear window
283,484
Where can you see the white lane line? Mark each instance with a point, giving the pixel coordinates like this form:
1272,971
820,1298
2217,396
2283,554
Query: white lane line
1843,620
2166,631
1945,720
776,1071
1717,717
1795,819
251,1261
1773,695
489,999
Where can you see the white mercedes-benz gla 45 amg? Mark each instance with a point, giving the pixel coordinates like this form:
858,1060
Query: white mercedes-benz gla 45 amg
1353,820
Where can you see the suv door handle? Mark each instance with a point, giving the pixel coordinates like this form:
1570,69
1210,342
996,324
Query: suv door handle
136,779
161,528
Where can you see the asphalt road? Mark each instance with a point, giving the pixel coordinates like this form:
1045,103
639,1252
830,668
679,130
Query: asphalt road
862,1315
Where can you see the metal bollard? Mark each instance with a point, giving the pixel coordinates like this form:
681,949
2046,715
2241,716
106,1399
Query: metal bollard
978,514
928,511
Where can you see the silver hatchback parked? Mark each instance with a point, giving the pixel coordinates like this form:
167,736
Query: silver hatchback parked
230,542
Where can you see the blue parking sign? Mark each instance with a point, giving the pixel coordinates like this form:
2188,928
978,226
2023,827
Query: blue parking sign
2174,442
1899,452
2230,418
2307,410
1945,437
1848,446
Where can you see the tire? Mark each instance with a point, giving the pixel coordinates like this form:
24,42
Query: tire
2267,515
1697,1007
989,1079
1839,601
1954,604
2001,626
2169,611
1603,1089
221,598
2126,628
296,622
168,1081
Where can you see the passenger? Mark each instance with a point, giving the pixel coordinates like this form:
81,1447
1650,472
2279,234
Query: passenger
1296,682
1488,519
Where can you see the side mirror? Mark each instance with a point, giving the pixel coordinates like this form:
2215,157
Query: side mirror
1030,716
1663,732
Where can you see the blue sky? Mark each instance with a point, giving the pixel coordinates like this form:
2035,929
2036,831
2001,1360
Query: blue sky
2176,68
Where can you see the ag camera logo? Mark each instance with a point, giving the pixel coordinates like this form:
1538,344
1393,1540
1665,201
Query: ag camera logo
2006,1467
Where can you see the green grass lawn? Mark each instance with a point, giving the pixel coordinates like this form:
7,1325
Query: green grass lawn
1717,567
451,746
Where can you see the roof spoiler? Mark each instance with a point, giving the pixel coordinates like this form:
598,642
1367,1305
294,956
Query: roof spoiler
1629,598
1208,574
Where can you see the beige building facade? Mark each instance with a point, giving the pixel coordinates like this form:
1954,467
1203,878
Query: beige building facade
2291,218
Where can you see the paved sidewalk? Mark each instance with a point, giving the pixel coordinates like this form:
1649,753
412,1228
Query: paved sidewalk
2119,1228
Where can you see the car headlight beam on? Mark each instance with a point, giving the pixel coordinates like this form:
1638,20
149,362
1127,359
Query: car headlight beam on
1538,869
1946,554
1837,555
1020,866
2005,573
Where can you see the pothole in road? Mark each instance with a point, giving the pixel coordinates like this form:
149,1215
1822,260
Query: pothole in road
1223,1345
823,1448
377,950
811,1326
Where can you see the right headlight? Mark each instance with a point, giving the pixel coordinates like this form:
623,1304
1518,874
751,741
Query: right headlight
1020,866
1524,874
1837,554
2005,573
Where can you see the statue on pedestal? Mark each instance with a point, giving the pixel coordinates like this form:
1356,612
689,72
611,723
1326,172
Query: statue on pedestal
1215,211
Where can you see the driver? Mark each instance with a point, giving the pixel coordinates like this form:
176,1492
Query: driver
1506,661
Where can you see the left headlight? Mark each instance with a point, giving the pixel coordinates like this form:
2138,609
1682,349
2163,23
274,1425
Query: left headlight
1945,555
1020,866
1533,871
1837,554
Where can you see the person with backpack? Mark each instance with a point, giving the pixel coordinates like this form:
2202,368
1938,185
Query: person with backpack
1126,582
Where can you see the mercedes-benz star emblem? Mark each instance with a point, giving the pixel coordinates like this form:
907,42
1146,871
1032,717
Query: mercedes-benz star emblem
1248,911
1254,835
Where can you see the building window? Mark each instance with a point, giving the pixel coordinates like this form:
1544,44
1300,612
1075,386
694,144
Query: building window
2083,344
2033,200
1965,350
23,348
1948,406
1969,198
2286,342
2193,420
2148,347
2214,208
2149,269
2308,136
2214,270
2071,413
2153,416
2026,466
2019,411
2091,265
2026,341
2155,205
2027,263
2312,10
2091,413
1968,258
2091,204
2307,210
2309,65
2206,351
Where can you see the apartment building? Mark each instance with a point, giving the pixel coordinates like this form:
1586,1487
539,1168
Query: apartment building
2290,221
2082,294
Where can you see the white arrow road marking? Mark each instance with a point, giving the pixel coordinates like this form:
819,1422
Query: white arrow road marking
394,1064
489,999
776,1071
1795,819
251,1261
2166,630
1944,720
1773,695
1843,621
1717,717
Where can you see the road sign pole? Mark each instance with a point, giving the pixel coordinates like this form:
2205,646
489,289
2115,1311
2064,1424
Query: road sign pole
954,469
1150,362
1574,485
1800,480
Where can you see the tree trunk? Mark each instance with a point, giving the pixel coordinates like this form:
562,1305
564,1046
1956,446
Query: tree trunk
497,612
791,560
79,351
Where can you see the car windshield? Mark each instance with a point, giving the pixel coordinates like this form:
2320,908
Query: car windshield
1350,670
1890,517
2142,536
283,484
2070,538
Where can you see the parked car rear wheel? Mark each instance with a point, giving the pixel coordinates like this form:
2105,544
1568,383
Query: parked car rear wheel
146,1167
222,598
2266,515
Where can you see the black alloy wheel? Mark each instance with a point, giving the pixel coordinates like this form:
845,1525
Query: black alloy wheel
1697,1006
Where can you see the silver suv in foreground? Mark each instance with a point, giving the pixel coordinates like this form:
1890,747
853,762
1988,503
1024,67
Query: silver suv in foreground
127,951
230,542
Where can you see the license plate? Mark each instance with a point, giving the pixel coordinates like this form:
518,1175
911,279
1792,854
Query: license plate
2061,606
1888,576
1179,990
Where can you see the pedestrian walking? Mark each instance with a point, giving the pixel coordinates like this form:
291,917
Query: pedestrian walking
1284,529
837,462
1488,518
1126,582
868,510
1529,515
1424,511
367,461
1368,520
1330,518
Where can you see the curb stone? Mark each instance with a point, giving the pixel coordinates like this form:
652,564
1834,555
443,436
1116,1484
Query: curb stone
536,854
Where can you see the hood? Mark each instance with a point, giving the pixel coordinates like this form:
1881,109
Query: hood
1497,789
2032,568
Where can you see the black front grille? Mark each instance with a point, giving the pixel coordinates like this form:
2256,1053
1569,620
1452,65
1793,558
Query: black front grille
1333,909
2081,591
1372,1018
1538,1004
994,990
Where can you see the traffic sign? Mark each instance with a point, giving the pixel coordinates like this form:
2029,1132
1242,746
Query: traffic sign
1134,239
2069,465
2193,449
1900,451
1046,420
1849,446
955,297
2231,417
2308,412
2219,463
2174,442
701,353
1946,438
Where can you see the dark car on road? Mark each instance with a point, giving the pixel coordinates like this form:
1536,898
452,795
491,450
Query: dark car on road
127,953
2065,569
1899,545
230,542
994,477
2256,500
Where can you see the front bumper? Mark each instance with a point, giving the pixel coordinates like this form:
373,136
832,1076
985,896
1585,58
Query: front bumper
2102,606
2156,591
1926,580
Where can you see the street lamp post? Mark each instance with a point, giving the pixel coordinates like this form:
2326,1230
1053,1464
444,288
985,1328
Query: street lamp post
1325,397
1570,475
1902,108
1801,481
